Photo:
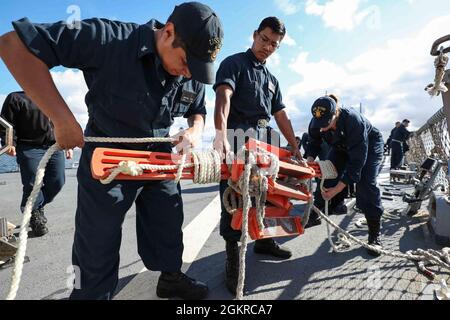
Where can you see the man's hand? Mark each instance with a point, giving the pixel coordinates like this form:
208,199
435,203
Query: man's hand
11,151
187,139
69,154
330,193
69,134
297,154
221,144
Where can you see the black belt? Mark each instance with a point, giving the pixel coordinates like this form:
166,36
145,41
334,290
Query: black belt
256,122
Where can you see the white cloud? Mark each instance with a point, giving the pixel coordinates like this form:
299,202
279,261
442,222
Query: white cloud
274,61
389,80
73,89
2,99
288,7
287,40
344,14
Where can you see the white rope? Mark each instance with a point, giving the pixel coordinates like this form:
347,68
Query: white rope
253,183
439,86
40,172
23,235
428,257
328,171
433,257
247,203
128,140
207,168
443,293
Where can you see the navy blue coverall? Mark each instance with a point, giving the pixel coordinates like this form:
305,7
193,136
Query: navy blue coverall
398,143
357,153
130,95
256,96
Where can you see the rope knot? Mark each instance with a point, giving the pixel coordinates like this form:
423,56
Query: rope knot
130,168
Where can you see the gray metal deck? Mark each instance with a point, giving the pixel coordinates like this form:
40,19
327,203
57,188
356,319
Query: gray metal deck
312,273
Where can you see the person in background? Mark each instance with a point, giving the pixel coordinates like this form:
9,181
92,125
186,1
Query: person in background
33,136
389,140
398,141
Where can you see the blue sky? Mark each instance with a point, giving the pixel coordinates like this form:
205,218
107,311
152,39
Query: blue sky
373,52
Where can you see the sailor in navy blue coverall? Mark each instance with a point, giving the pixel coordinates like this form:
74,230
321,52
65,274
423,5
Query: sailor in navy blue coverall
356,152
140,77
398,144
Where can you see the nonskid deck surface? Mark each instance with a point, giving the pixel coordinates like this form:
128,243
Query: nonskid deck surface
313,272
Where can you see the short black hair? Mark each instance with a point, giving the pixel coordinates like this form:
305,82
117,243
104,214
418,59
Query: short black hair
275,24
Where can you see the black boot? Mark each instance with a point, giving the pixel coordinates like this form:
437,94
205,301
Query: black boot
271,247
177,284
340,209
374,236
232,266
38,222
314,220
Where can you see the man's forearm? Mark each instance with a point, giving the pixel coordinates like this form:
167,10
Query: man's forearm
221,111
34,77
285,126
197,122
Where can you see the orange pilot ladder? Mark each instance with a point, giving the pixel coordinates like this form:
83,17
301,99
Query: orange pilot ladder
277,221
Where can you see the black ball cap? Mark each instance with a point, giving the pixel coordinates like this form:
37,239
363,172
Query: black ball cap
201,31
322,111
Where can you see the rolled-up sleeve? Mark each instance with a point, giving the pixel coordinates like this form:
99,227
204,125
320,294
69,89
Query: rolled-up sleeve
228,73
58,44
199,104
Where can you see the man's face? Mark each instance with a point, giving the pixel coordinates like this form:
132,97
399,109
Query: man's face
173,60
265,43
406,124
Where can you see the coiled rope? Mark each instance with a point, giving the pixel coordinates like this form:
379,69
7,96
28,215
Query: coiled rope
40,172
438,86
207,169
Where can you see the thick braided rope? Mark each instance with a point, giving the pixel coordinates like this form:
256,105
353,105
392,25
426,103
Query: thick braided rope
40,172
438,86
128,140
329,172
207,168
260,192
23,237
440,258
422,257
247,203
